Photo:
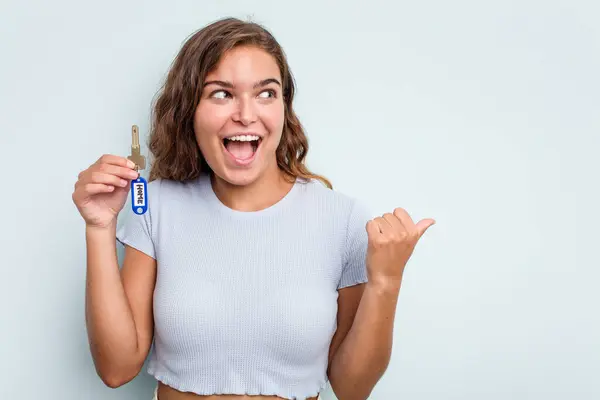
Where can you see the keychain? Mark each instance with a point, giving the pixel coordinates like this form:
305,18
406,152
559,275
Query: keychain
139,186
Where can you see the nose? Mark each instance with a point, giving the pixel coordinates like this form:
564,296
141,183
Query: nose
245,112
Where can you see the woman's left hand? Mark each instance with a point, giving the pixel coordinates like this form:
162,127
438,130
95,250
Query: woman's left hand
392,239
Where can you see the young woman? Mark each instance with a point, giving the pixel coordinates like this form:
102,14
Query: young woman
248,275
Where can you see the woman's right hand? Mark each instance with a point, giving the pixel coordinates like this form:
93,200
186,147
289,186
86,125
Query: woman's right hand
101,190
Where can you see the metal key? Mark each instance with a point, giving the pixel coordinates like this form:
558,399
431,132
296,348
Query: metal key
136,157
139,186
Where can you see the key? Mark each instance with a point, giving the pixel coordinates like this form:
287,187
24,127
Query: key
136,157
139,186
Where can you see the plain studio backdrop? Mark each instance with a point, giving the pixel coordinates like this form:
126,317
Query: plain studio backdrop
482,115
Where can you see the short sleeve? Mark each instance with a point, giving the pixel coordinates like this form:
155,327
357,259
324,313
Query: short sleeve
354,269
136,230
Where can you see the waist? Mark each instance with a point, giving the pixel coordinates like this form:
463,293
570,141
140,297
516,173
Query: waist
164,392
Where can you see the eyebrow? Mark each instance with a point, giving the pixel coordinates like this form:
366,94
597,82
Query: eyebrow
230,85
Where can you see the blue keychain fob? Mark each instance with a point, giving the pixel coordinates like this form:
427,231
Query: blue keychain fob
139,195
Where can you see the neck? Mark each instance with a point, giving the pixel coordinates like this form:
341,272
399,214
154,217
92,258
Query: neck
260,194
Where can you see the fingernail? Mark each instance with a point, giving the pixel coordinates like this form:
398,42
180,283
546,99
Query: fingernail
130,163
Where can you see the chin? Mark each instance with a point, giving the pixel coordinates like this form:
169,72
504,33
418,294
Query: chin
238,177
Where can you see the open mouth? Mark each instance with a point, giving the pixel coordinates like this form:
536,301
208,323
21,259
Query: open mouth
242,147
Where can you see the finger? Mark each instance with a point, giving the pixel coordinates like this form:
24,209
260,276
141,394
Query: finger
423,225
115,160
384,227
394,222
107,179
122,172
372,229
95,188
405,218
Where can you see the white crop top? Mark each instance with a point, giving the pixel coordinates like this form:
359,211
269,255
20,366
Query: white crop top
246,302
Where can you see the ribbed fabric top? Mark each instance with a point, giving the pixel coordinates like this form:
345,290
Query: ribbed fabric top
246,302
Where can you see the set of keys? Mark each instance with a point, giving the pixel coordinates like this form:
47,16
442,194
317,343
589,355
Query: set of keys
139,186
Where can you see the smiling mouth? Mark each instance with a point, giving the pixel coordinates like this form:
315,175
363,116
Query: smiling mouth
242,148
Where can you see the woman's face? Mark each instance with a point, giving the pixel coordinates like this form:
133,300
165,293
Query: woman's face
239,119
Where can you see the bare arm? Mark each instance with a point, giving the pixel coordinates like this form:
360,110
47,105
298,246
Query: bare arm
118,306
364,353
348,301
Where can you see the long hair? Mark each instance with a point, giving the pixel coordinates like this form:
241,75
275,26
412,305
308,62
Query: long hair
172,140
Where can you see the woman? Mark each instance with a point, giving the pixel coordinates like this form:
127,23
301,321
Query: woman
248,275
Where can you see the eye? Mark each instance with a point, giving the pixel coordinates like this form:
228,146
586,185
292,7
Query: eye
219,94
268,92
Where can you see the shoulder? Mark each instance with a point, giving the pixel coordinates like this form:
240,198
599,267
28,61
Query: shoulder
163,194
316,189
337,204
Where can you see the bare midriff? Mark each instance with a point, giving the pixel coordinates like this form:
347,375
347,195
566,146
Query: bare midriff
168,393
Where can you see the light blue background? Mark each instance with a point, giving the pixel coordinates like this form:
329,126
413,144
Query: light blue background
481,114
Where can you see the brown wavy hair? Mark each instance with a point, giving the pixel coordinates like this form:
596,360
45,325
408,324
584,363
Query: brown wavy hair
172,140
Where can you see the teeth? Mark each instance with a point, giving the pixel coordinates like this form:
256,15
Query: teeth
244,138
